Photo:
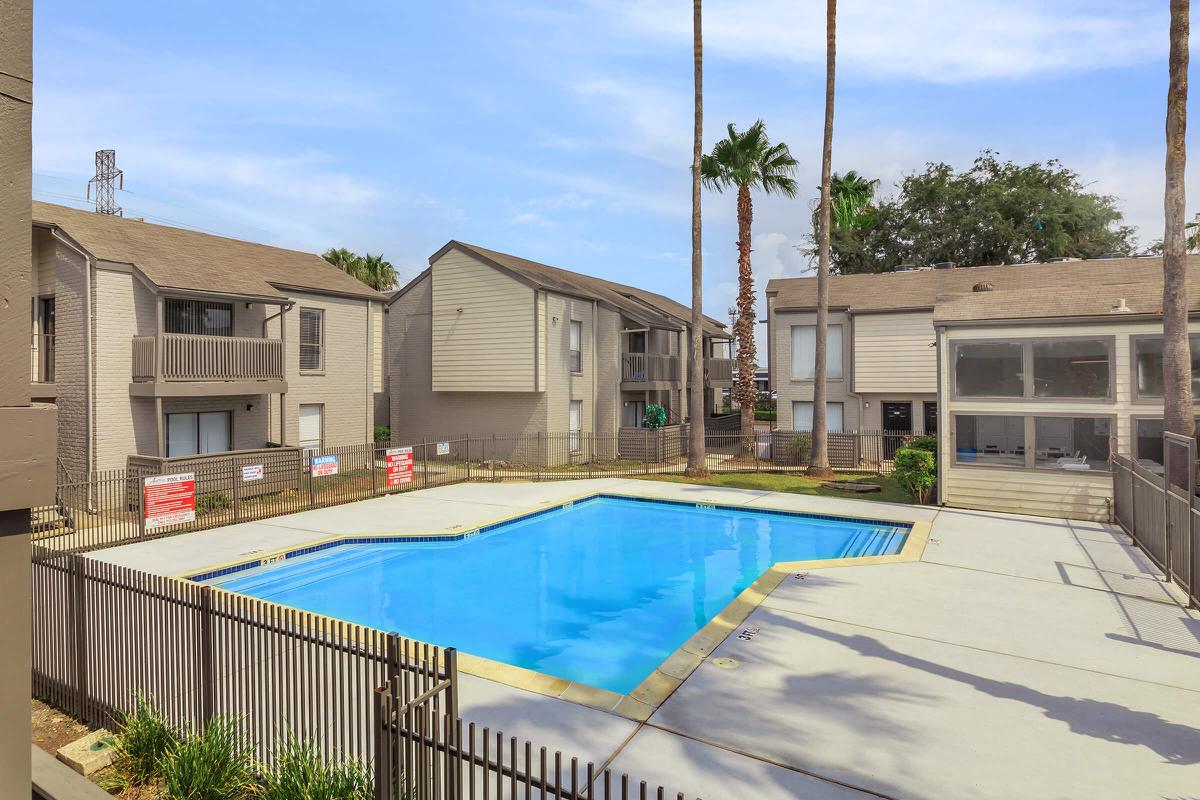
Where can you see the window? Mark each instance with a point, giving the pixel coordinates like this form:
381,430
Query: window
992,440
1072,443
312,338
804,352
989,369
576,338
1070,368
1148,441
197,316
192,433
1148,358
575,423
311,426
802,416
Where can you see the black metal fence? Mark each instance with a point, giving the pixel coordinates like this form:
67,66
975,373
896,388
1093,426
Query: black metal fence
104,509
1162,513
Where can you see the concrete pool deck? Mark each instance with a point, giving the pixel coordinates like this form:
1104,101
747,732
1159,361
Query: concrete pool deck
1019,657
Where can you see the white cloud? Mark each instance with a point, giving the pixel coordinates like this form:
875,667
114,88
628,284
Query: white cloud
942,41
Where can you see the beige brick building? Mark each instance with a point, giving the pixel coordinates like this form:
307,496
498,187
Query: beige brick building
154,340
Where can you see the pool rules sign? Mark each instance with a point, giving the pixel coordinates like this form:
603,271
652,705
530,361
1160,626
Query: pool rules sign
399,466
170,499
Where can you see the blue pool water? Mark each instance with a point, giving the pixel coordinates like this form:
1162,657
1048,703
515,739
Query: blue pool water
599,592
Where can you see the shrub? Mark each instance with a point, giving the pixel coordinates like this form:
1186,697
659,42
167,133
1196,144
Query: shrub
214,765
213,501
915,471
927,443
141,745
655,416
383,434
300,773
799,447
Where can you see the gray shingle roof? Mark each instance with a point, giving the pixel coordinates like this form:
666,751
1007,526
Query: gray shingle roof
176,258
645,306
1049,288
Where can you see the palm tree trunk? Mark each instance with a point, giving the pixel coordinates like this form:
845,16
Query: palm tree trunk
1177,360
696,467
818,464
744,390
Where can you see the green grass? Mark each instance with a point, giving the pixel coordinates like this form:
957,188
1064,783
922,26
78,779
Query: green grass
793,483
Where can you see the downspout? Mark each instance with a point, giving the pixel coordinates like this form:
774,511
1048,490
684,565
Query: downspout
88,359
595,381
943,414
851,381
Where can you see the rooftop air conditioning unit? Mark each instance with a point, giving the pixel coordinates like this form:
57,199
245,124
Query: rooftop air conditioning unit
906,268
945,265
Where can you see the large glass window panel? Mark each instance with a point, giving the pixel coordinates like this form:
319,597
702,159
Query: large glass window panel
1148,442
181,434
1071,368
1077,444
804,352
989,440
989,369
312,338
197,316
214,432
1148,361
802,416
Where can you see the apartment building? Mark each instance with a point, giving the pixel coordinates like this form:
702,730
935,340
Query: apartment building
1029,374
154,340
485,342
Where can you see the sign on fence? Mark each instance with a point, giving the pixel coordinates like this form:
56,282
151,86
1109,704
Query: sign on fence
443,448
170,499
399,466
324,465
252,472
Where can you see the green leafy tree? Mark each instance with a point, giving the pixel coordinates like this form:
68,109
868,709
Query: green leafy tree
375,271
654,417
994,212
747,162
915,470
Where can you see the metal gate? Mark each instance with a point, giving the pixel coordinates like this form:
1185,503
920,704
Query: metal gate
1179,471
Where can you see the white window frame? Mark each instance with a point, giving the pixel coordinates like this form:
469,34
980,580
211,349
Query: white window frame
804,353
828,404
311,448
320,344
227,413
575,426
575,346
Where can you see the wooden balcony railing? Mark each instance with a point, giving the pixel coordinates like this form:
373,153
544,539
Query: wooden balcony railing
718,371
194,357
650,367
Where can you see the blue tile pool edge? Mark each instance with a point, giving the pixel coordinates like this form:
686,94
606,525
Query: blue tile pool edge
350,539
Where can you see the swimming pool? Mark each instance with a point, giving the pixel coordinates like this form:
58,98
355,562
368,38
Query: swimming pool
599,591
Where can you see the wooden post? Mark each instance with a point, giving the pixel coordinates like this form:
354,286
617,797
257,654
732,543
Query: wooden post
158,339
158,428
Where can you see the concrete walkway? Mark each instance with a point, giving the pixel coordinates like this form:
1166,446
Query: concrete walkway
1021,657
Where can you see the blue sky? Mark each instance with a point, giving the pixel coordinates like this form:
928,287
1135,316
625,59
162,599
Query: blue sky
561,131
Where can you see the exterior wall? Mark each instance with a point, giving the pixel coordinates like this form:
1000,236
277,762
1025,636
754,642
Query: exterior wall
71,359
562,385
1042,491
870,418
893,353
483,328
379,383
43,263
608,371
344,384
791,389
417,411
124,308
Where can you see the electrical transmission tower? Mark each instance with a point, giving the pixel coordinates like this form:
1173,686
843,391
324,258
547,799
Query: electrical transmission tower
107,180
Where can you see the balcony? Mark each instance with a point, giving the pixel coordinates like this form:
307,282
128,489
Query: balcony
718,372
195,364
649,371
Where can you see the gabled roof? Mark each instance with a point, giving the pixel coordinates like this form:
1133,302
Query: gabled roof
175,258
649,308
894,291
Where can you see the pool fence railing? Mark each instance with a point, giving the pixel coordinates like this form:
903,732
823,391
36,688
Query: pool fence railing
101,509
105,634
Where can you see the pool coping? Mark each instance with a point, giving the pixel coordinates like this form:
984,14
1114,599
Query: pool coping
664,679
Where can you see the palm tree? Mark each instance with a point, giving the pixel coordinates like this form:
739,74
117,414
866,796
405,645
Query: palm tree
748,161
377,273
851,195
818,464
1177,360
696,467
347,261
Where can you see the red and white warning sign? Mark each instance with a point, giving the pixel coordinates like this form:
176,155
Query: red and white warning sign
170,499
399,466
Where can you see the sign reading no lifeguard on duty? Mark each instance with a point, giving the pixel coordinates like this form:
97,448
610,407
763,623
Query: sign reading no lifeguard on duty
324,465
170,499
399,466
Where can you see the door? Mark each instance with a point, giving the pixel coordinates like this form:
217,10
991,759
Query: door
311,426
45,342
897,423
930,418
